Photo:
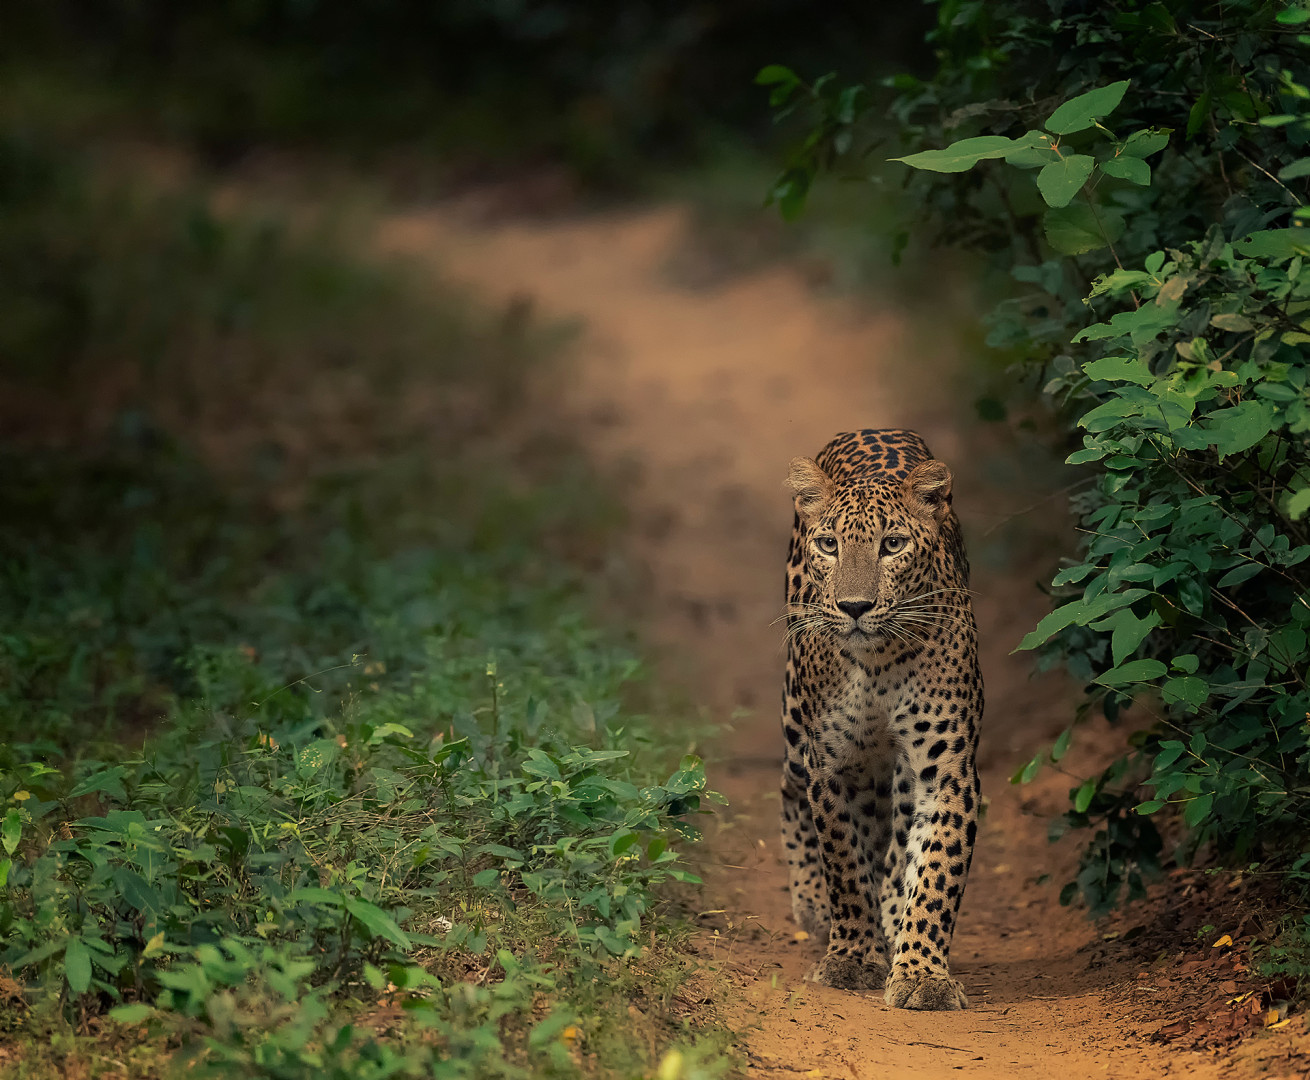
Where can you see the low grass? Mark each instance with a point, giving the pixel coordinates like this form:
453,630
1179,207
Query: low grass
314,762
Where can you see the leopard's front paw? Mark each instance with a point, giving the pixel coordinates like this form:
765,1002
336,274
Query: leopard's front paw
924,990
811,918
848,973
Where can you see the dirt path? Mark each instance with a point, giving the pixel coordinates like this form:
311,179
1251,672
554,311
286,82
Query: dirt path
697,399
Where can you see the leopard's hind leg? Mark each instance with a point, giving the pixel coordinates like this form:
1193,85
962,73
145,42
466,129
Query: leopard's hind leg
809,889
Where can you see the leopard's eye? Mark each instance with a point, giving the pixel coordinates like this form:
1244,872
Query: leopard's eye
826,544
893,545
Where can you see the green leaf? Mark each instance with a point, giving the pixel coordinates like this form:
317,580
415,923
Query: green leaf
12,830
1198,114
385,731
1083,796
1128,632
1198,809
1032,151
1120,369
137,891
1134,170
1188,690
1120,281
1238,574
77,966
486,878
1187,662
1298,503
1078,613
1144,143
1275,244
378,922
789,192
784,81
1076,229
1297,169
1080,113
775,73
1150,806
960,156
1061,180
499,850
315,896
1273,391
1135,671
1238,428
1061,746
35,956
110,781
132,1014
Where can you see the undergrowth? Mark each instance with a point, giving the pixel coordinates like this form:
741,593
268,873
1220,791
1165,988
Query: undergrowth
314,764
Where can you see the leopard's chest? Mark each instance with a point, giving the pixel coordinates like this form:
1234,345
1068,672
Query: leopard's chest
862,704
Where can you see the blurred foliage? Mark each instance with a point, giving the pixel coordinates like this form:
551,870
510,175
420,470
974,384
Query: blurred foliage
312,763
1139,172
599,86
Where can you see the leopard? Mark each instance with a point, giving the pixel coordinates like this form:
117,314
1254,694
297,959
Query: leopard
882,702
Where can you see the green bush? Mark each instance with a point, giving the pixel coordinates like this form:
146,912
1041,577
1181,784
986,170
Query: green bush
311,762
1140,173
324,854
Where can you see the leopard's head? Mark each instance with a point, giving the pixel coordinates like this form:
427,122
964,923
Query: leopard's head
872,552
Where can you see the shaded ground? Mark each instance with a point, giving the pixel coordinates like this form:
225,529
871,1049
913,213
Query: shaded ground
696,399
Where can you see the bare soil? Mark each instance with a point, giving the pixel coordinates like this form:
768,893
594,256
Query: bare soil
694,399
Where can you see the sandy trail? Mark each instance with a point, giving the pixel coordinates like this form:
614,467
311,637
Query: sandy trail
697,399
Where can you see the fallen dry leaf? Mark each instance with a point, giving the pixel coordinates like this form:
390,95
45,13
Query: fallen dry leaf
1276,1012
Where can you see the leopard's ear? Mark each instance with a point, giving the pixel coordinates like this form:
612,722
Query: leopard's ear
928,490
811,486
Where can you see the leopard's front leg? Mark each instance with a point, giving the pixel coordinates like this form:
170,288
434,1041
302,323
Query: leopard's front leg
851,812
937,854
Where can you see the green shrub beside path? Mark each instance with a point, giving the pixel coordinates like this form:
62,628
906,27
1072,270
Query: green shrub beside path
1139,174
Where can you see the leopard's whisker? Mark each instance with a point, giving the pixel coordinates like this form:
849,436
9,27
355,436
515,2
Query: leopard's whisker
931,620
803,626
798,609
902,633
937,592
910,635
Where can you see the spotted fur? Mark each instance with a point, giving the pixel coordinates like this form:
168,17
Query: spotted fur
881,707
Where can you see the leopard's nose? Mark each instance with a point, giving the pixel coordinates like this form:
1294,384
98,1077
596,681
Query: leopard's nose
855,608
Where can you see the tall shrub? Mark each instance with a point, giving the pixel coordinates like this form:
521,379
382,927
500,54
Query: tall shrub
1139,171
